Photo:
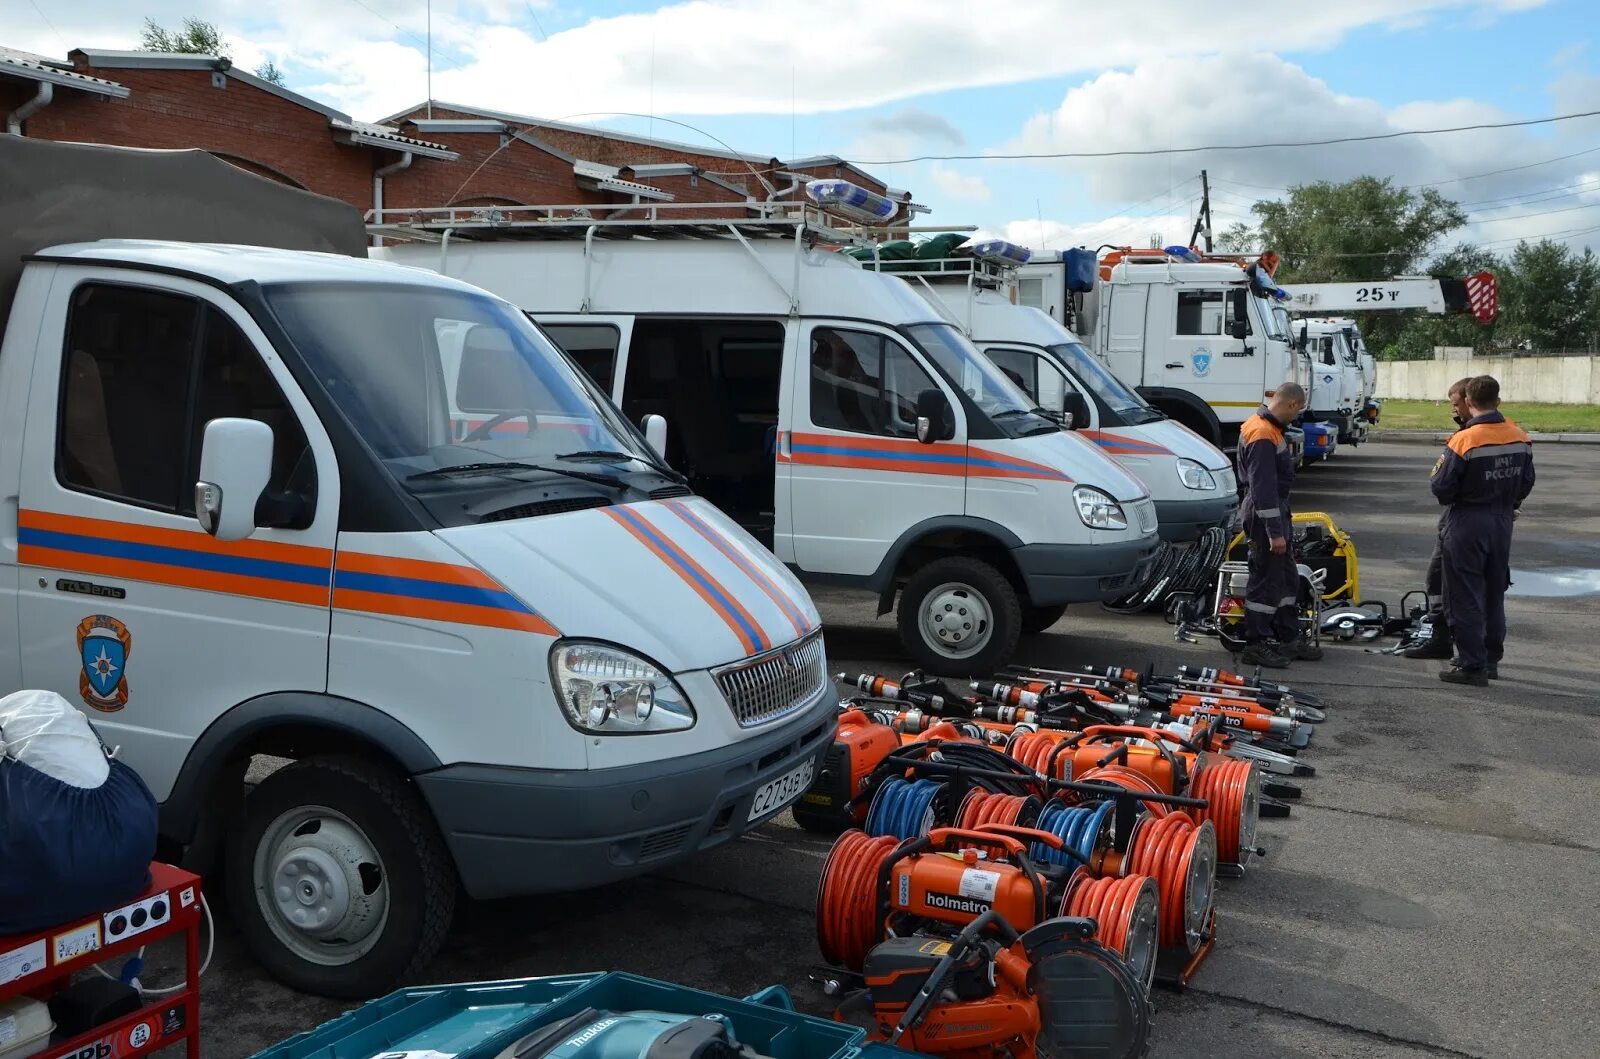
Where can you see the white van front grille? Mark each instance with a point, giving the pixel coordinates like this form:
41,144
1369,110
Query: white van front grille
1146,510
775,684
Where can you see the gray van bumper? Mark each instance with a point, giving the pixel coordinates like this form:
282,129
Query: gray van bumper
1184,520
518,831
1084,573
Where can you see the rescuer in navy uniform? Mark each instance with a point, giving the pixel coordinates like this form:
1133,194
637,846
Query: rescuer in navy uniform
1437,643
1482,477
1271,620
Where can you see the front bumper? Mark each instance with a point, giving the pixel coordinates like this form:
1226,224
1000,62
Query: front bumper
1184,520
1084,573
515,831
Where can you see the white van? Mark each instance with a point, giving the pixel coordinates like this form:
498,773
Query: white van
237,519
827,409
1191,481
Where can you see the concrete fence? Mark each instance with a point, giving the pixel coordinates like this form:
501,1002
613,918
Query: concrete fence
1558,380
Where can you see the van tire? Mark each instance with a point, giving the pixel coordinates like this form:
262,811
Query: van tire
1038,619
993,605
311,820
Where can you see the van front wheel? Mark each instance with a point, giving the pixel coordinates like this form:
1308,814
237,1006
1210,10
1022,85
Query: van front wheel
338,878
959,615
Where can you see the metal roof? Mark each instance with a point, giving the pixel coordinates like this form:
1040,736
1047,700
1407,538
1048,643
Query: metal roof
163,60
366,134
33,67
436,126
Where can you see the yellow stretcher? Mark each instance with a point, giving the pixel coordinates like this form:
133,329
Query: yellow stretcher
1323,546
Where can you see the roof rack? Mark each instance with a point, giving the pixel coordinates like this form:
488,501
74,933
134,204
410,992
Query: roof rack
633,220
978,272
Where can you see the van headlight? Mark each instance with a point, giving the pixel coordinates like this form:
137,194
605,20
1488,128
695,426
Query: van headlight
609,691
1098,510
1193,475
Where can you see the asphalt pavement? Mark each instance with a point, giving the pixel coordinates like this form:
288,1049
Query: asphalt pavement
1435,892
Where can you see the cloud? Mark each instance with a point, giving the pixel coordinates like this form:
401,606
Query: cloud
918,123
1163,229
718,56
957,185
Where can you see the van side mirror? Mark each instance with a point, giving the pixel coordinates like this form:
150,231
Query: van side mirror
1238,329
1076,409
655,433
235,466
936,420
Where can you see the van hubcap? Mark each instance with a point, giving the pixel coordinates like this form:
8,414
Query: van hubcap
955,620
321,886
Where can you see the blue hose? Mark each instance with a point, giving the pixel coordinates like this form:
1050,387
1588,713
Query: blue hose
902,808
1078,827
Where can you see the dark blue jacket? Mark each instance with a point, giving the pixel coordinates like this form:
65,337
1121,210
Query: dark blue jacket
1487,463
1267,467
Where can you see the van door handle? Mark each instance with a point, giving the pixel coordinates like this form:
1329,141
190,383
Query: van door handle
1175,364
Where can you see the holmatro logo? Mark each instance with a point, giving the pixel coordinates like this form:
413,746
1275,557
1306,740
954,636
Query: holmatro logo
952,903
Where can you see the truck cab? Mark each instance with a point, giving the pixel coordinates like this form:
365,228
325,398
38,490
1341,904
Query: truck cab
826,408
241,521
1191,481
1189,335
1338,392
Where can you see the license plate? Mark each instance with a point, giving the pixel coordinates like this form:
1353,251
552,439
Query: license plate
775,794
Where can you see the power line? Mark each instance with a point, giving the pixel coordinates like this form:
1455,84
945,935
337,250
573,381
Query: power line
1236,146
1581,187
1435,183
46,21
385,19
542,34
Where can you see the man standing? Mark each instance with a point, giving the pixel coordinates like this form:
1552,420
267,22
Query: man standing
1437,642
1271,619
1482,477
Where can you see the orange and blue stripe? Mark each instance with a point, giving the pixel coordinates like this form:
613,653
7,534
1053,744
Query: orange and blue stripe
913,457
420,588
796,617
709,589
287,573
1123,445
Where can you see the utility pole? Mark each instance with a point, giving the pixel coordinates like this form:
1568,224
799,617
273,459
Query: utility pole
1202,219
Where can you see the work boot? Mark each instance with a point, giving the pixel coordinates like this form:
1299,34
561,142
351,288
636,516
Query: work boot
1261,653
1472,677
1437,645
1302,649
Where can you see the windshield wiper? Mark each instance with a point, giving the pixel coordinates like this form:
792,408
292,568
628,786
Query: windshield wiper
496,468
613,454
1020,412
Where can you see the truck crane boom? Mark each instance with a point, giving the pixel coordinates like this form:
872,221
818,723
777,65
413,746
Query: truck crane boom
1478,294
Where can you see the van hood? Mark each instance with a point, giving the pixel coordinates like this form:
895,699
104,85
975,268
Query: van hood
1060,453
673,580
1165,437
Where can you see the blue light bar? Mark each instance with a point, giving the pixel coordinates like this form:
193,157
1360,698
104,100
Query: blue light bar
1001,252
841,196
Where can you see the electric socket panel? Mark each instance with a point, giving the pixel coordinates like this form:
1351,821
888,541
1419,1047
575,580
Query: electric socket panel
148,914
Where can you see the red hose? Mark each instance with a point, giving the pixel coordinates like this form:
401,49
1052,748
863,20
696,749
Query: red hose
847,898
1111,903
1227,785
1033,749
1131,780
1164,849
982,807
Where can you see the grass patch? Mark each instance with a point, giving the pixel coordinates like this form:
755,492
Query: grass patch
1532,417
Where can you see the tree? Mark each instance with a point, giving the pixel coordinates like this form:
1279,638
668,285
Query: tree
1550,296
1420,332
197,37
1362,229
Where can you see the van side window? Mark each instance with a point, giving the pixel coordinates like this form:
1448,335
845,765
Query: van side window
864,383
1199,312
1019,366
593,347
144,371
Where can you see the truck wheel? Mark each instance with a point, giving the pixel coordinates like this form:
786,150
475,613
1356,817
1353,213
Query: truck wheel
338,878
1038,619
959,615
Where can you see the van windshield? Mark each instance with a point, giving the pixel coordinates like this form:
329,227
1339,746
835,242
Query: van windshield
434,378
995,395
1129,406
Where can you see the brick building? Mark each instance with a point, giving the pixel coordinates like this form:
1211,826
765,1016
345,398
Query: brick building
443,155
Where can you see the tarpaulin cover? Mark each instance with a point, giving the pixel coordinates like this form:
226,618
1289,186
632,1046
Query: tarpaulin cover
77,831
53,193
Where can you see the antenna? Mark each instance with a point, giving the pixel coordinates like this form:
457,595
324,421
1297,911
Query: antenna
1038,212
430,59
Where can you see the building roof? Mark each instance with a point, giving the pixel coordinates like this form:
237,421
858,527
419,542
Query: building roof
33,67
366,134
585,130
823,161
